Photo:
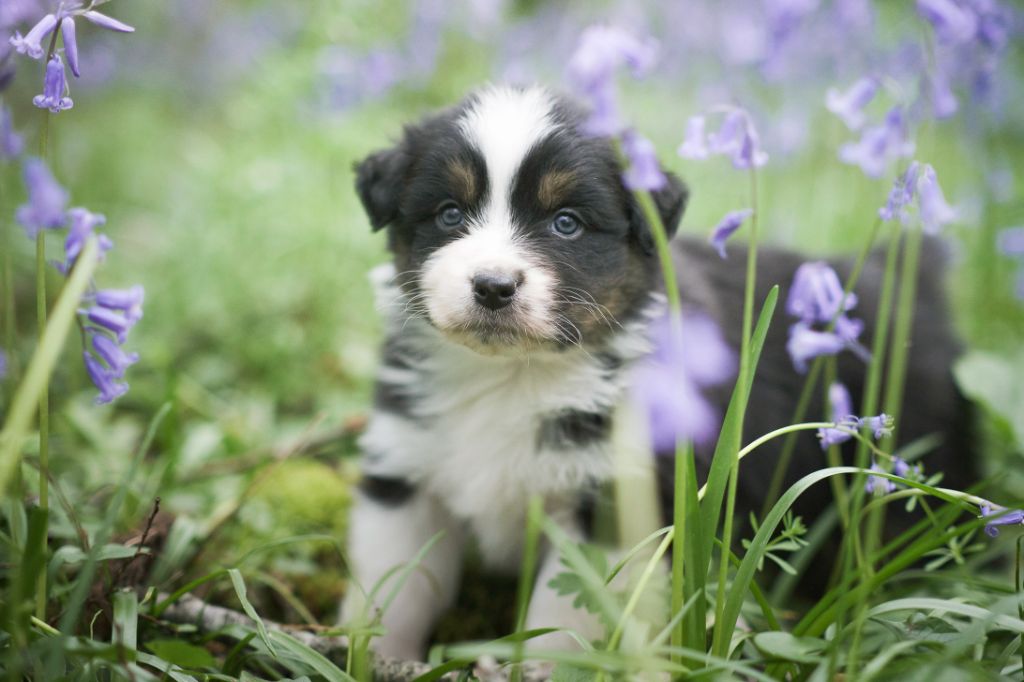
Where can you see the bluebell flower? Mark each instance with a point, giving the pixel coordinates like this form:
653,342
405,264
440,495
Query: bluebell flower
943,101
118,323
849,105
806,344
901,468
738,139
879,483
667,384
82,222
54,88
841,406
112,354
880,426
879,144
11,144
1011,241
31,44
47,200
103,21
67,32
644,172
1007,518
816,295
934,210
128,301
3,364
591,71
694,145
953,23
904,189
725,229
105,380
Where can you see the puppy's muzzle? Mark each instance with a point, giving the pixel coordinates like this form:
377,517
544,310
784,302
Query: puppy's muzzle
495,290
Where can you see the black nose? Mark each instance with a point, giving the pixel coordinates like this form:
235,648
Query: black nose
494,291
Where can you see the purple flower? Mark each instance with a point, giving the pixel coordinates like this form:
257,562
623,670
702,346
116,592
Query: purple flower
879,144
112,354
3,364
54,87
644,172
105,379
31,44
817,294
667,384
935,212
901,468
1005,518
11,143
730,223
805,344
694,146
47,200
880,426
849,105
902,193
884,485
128,301
943,100
82,223
110,320
67,31
103,21
1011,241
738,139
953,23
601,50
842,415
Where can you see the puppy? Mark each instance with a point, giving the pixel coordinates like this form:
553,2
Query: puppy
523,283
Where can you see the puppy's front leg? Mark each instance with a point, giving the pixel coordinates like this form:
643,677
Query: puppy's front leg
389,525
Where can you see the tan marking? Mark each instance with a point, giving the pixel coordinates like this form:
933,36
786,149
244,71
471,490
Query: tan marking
553,188
463,178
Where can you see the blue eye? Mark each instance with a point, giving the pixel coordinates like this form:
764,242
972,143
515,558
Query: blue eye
566,225
450,217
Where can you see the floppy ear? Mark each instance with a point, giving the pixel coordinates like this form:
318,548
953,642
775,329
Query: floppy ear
670,201
378,180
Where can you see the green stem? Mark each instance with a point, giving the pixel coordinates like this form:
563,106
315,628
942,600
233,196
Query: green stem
10,316
44,394
900,347
720,643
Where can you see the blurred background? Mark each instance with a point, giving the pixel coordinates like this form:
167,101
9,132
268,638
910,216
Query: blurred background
219,140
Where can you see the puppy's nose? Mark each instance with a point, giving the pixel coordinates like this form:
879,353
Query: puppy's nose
495,291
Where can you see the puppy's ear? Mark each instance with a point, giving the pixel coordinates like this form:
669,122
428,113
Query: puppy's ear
379,178
670,201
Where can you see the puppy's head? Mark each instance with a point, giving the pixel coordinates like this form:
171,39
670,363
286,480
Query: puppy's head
511,229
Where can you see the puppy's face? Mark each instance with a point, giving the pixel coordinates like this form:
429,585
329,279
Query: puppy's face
510,228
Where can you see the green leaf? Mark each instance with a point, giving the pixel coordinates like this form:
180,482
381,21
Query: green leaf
167,668
126,620
565,672
293,649
261,628
783,645
181,653
998,383
731,433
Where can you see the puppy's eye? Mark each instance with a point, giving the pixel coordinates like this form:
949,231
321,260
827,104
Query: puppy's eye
449,217
566,225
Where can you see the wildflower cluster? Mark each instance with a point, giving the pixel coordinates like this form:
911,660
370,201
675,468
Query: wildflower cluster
55,90
918,181
111,313
817,298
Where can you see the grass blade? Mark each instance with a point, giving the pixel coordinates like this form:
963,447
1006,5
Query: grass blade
240,590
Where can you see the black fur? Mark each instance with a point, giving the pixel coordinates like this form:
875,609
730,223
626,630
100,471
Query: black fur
573,429
388,491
